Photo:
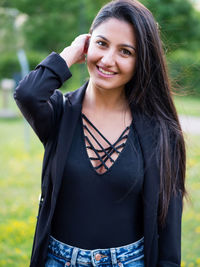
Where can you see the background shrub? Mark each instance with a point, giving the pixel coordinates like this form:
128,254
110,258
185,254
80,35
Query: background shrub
184,67
9,64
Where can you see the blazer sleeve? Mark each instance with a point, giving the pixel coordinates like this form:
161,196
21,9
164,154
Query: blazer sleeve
38,98
170,234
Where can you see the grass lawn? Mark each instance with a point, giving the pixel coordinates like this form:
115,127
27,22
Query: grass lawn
19,188
191,214
21,162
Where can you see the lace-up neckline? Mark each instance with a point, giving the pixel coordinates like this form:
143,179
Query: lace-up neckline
102,158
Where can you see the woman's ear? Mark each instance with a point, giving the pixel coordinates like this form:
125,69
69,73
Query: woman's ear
87,42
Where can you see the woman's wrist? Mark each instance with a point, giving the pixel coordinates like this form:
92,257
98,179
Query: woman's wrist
68,55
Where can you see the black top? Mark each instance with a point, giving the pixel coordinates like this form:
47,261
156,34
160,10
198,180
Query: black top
100,210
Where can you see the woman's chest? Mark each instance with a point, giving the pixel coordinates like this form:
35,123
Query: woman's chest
104,140
126,172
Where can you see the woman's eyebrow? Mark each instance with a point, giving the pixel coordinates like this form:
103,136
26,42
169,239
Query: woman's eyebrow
126,45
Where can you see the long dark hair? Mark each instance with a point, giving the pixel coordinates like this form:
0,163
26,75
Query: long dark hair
150,91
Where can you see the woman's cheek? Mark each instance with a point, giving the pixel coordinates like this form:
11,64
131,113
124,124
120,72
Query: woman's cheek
92,56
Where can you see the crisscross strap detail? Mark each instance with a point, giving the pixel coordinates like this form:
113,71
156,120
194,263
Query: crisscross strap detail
103,154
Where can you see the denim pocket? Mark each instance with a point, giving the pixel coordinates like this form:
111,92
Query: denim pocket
53,262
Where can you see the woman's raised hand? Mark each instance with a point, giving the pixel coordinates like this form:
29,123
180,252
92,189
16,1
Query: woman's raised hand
75,53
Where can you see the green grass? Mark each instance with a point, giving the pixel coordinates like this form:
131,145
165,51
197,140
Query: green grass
19,189
191,214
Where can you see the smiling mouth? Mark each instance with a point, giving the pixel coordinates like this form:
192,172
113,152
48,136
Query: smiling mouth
105,72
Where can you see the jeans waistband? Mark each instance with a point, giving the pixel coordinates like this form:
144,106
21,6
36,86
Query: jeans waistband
97,256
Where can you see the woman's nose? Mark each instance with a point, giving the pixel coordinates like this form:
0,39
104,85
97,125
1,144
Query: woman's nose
108,58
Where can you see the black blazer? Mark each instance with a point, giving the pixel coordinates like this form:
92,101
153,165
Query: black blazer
53,117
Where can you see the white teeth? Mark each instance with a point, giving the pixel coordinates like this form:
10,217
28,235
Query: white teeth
106,72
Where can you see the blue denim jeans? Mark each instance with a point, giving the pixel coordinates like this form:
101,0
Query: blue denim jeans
62,255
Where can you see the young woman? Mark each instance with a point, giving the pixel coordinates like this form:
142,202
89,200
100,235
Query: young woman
114,164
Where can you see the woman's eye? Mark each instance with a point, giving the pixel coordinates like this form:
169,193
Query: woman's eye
101,43
126,52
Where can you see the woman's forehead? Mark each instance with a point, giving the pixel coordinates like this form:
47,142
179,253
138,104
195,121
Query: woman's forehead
117,29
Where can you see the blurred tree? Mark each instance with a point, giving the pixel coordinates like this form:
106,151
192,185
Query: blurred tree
179,22
7,30
54,24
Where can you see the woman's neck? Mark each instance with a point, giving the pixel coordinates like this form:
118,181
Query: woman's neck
106,100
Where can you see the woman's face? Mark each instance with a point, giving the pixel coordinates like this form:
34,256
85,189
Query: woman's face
111,54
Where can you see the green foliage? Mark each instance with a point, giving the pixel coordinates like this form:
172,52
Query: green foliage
178,20
52,25
7,31
184,69
9,64
34,58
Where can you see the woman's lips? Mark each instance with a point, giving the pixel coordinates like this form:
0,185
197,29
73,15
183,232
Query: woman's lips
105,73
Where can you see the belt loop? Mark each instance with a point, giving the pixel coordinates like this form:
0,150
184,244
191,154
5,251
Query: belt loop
74,256
113,257
92,258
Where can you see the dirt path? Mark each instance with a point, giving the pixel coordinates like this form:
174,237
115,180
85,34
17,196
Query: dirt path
190,124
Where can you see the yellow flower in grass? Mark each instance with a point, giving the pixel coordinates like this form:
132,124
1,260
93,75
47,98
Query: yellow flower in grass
198,261
197,217
183,264
3,262
25,257
18,251
197,230
192,162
